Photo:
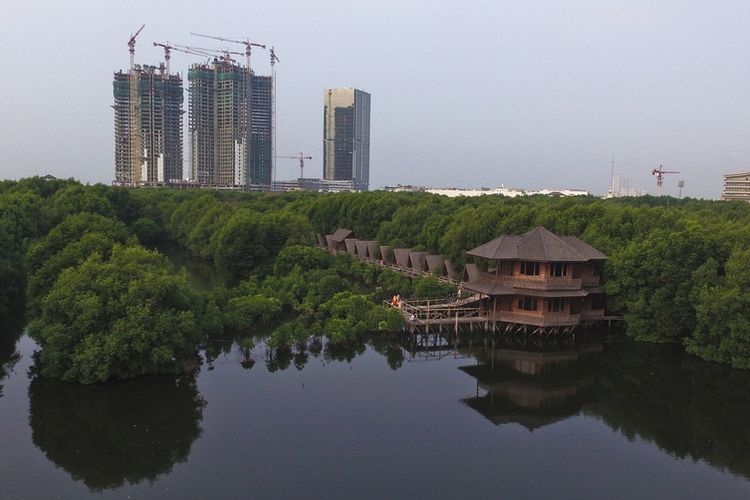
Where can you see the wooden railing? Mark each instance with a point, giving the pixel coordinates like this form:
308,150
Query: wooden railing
542,282
590,280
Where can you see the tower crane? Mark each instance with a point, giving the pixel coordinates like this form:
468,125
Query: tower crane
301,157
224,54
167,53
659,173
274,60
131,45
247,43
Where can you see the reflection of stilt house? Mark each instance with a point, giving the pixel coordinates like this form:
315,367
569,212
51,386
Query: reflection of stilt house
532,389
538,279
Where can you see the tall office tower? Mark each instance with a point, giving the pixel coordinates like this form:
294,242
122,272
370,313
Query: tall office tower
148,125
224,150
346,136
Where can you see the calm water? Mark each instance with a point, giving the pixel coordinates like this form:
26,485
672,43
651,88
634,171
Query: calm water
590,419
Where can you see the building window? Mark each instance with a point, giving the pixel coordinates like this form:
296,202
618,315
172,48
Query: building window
530,268
555,305
558,269
527,304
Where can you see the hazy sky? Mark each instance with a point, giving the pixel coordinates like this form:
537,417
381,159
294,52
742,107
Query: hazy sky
523,93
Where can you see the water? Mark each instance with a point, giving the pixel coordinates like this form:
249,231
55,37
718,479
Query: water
523,420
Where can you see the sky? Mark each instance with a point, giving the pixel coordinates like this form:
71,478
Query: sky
526,93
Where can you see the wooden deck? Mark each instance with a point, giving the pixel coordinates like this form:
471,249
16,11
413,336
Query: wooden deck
441,316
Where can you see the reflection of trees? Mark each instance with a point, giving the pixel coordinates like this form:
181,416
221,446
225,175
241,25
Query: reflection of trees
687,407
11,328
390,348
113,433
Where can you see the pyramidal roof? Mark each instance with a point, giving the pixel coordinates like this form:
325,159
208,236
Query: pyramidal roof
539,244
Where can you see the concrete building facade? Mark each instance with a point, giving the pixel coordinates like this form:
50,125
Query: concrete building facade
230,124
148,126
736,186
346,136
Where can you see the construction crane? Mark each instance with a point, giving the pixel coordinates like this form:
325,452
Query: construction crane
301,157
131,45
169,48
247,43
274,60
659,173
167,53
224,54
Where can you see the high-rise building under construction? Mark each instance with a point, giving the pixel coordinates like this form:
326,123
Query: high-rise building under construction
148,125
346,136
227,148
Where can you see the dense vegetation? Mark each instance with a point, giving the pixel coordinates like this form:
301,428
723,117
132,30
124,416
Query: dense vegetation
106,305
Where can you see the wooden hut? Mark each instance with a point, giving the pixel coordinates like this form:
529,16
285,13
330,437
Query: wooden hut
539,279
362,249
402,257
386,253
351,245
336,241
436,265
373,250
418,261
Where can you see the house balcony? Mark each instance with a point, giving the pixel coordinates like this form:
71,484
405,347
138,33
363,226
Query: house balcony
542,282
590,280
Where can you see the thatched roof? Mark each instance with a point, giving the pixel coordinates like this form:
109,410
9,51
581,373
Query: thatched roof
373,250
540,245
402,256
436,265
341,234
417,260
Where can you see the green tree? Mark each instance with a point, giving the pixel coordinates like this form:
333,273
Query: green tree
722,331
119,318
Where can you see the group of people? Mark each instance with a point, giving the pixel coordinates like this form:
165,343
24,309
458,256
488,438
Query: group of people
396,301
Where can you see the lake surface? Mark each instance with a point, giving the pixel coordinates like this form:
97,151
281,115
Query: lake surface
599,417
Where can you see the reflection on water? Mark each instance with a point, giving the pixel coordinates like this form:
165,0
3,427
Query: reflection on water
114,433
130,432
532,384
686,406
11,328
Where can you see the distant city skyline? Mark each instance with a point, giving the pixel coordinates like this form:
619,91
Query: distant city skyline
531,94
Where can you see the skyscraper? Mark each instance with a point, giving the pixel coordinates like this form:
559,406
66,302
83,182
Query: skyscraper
346,136
227,148
148,125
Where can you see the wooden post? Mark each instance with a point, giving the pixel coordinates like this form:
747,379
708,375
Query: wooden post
427,320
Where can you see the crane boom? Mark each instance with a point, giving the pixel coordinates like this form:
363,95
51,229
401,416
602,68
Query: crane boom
301,157
131,45
247,43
